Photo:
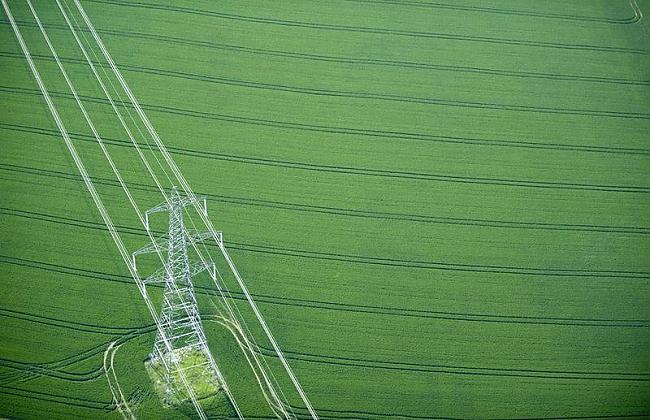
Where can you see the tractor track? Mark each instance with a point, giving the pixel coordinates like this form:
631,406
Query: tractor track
371,30
508,12
352,212
391,174
352,308
437,265
422,137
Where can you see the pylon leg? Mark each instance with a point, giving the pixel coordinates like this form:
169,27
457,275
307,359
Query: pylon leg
179,316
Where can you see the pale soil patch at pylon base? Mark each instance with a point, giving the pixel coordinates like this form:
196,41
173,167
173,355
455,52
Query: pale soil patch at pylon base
202,381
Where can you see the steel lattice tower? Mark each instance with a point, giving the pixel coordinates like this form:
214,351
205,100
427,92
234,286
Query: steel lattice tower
179,318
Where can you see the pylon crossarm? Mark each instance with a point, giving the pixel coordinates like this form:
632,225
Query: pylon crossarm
188,201
164,206
198,267
160,243
158,276
159,208
195,236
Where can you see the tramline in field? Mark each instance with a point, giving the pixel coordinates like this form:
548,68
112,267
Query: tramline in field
441,208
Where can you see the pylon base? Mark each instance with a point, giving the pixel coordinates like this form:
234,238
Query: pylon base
197,372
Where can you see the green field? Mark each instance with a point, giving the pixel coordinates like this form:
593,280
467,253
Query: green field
442,208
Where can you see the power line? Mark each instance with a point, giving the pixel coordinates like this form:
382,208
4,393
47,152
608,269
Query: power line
93,192
185,186
192,199
160,188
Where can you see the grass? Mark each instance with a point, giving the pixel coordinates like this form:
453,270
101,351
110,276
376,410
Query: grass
441,208
204,386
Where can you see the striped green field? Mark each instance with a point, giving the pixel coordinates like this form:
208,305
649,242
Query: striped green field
441,207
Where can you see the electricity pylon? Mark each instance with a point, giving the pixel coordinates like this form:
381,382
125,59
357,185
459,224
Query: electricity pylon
181,343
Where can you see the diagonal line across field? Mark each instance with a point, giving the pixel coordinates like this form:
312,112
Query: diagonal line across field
374,30
357,61
75,325
56,369
355,212
432,368
346,170
25,371
439,265
367,132
421,264
509,12
375,415
386,97
345,307
348,307
339,211
462,370
57,398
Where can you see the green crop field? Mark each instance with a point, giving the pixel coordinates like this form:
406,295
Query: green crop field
441,208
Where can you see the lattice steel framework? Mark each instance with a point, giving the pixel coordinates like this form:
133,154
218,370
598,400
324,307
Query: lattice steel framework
179,318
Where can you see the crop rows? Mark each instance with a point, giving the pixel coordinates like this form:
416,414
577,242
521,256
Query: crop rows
440,207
